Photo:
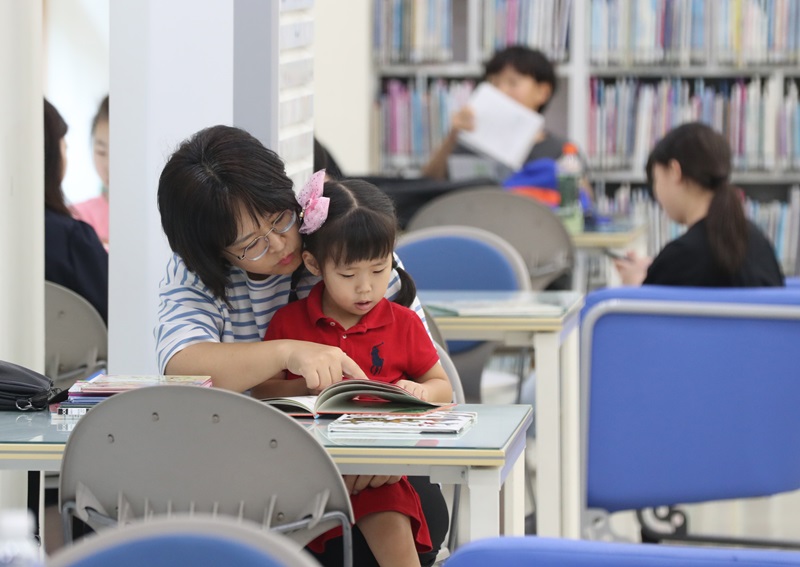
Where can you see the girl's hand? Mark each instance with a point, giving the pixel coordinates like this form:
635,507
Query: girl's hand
464,119
414,388
355,483
320,365
633,269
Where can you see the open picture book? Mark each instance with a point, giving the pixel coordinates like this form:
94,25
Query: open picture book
355,396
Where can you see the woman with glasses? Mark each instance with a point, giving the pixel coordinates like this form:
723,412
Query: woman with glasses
232,221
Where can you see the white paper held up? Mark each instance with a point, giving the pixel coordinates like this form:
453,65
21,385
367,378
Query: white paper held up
504,129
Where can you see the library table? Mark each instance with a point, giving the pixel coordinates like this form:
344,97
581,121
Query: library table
547,321
487,458
620,236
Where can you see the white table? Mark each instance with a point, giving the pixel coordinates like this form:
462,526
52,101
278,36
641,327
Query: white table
621,237
488,459
554,337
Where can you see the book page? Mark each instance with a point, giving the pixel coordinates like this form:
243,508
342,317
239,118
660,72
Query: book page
365,396
300,406
504,130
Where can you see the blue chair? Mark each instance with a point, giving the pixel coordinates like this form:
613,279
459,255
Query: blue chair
526,551
463,258
196,541
692,395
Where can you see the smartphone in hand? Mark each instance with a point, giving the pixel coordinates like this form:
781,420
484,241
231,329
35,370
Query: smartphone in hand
615,255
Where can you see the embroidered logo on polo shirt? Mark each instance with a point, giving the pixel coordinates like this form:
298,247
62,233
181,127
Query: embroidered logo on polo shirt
377,361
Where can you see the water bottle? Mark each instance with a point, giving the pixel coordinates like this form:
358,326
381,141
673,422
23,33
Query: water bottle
18,546
570,170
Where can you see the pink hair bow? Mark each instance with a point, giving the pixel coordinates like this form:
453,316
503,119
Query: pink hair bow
315,206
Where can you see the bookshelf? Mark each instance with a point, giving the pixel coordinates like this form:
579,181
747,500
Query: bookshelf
628,72
429,54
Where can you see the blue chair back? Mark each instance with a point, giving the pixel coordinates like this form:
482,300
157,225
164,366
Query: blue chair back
527,551
461,258
177,541
692,395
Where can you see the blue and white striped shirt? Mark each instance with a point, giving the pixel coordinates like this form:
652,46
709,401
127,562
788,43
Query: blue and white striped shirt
189,313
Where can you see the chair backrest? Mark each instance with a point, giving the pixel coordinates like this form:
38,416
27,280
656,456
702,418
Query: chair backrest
196,541
168,449
433,327
691,395
529,226
463,258
525,551
452,373
76,338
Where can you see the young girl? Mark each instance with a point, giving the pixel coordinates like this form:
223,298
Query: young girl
689,170
350,231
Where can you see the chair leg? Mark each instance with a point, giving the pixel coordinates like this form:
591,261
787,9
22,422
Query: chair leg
452,538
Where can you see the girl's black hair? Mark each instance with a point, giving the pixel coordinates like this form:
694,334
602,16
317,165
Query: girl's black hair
54,131
361,225
205,186
705,157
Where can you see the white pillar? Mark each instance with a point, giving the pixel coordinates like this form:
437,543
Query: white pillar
176,67
171,75
21,201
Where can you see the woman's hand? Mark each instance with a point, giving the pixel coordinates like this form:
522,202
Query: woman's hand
320,365
633,269
414,388
355,483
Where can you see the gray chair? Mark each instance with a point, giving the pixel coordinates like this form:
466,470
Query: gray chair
529,226
76,338
458,397
167,449
445,257
178,541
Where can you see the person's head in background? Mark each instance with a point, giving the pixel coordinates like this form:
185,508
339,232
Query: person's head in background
524,74
353,249
100,143
689,170
324,160
55,159
225,200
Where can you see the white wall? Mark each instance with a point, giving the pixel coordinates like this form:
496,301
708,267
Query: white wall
76,80
21,202
344,89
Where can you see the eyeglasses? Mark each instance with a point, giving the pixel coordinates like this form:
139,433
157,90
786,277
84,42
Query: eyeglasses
260,245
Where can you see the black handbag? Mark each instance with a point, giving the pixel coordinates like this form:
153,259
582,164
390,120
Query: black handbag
22,389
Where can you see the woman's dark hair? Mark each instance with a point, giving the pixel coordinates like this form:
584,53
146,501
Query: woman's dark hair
101,115
205,186
54,131
361,225
526,61
705,158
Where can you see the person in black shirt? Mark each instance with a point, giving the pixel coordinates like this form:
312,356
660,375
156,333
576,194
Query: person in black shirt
73,254
689,170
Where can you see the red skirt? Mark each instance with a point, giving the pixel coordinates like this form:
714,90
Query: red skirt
398,497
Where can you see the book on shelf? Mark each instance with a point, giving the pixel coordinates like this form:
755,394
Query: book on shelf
438,422
108,384
505,130
355,396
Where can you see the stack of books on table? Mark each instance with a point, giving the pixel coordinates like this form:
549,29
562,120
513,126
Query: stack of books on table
85,394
